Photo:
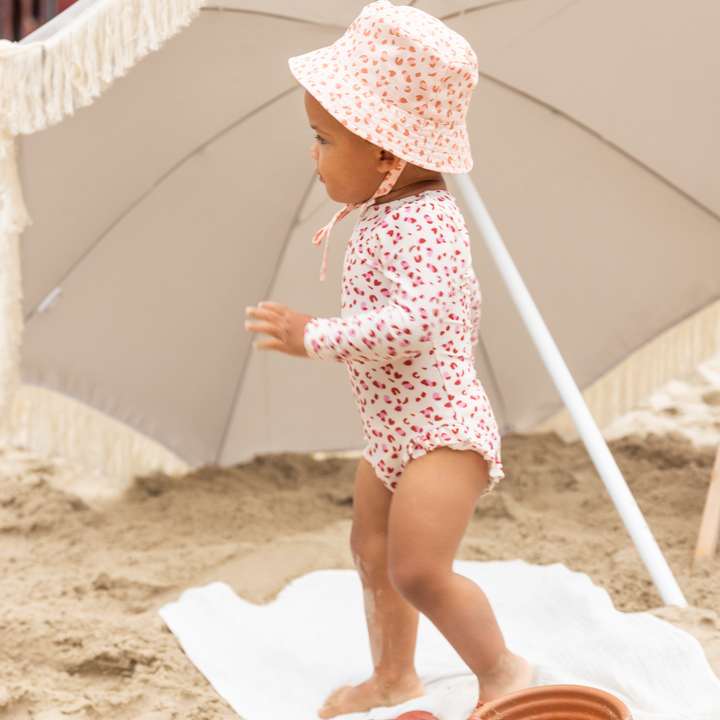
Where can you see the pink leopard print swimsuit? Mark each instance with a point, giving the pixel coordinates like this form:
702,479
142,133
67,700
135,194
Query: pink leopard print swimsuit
410,311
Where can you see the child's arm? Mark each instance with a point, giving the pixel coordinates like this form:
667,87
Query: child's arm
424,272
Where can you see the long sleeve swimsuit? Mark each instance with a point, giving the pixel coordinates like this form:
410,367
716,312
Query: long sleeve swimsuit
410,313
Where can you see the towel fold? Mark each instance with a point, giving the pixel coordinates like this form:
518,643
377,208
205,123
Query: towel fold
280,661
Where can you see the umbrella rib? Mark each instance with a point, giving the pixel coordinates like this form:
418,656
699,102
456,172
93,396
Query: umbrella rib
527,32
675,323
603,139
271,284
467,11
507,425
152,188
573,120
275,16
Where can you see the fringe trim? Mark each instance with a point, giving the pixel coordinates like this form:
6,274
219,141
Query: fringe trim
670,355
49,422
42,82
13,219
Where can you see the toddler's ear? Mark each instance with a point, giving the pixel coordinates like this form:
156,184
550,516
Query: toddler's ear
387,161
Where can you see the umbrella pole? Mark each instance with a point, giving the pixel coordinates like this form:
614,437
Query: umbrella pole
596,446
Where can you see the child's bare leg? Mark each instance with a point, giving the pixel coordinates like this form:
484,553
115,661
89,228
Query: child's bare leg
429,514
391,620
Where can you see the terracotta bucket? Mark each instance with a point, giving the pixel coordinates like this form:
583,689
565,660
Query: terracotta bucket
556,702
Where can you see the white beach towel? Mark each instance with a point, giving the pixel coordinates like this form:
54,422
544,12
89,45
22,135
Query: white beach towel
280,661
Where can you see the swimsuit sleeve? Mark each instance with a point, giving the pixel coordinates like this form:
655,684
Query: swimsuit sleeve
422,268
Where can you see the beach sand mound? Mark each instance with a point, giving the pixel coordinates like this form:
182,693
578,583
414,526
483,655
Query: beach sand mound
82,578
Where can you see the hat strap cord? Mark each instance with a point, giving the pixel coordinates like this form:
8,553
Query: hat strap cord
385,187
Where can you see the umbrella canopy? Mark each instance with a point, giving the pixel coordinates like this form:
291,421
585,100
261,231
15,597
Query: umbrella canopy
186,192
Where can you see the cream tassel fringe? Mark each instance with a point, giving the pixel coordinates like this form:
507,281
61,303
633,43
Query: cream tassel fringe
669,356
49,422
40,83
13,219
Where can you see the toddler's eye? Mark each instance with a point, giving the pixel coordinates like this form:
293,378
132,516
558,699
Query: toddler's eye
321,140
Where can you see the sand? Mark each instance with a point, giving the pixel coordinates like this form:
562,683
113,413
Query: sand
84,564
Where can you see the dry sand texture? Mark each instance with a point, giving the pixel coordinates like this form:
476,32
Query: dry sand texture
82,574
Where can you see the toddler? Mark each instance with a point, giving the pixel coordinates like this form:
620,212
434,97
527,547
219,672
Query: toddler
388,103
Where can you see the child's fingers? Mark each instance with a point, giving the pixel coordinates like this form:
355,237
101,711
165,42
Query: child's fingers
270,344
274,306
265,328
266,322
264,313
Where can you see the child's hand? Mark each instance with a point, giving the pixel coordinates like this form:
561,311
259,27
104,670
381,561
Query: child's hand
285,327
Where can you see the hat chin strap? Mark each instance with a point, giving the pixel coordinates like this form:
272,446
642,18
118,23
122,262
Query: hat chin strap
385,187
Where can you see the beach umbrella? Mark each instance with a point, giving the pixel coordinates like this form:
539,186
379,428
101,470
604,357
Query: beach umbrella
185,192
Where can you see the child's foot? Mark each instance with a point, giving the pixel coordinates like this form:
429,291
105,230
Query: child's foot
372,693
512,673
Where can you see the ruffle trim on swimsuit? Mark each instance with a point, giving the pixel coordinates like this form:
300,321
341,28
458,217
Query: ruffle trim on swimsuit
457,437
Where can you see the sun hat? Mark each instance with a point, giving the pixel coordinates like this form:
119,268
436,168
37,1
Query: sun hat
402,80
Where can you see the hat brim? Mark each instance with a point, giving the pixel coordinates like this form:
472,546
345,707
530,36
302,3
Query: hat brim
442,147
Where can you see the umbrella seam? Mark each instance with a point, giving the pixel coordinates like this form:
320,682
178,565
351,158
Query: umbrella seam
619,362
524,34
276,16
249,352
561,112
467,11
507,426
32,313
604,140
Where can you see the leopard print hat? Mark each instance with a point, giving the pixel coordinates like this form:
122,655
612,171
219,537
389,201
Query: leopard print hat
400,79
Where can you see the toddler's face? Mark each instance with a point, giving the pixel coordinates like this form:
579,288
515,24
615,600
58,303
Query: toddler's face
351,168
